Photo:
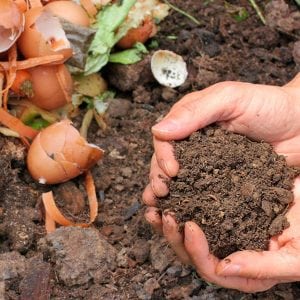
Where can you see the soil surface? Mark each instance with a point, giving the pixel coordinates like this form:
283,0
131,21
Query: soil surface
120,257
236,189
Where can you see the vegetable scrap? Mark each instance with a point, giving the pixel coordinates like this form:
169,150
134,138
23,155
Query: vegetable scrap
49,72
53,214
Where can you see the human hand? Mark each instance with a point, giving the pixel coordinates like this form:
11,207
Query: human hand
261,112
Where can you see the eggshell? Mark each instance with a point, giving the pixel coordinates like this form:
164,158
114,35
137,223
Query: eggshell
75,13
11,24
49,91
168,68
84,154
41,166
43,35
59,153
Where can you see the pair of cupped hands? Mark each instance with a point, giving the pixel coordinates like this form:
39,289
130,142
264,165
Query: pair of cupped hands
261,112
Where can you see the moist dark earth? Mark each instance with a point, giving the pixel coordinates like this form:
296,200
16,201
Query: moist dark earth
120,257
236,189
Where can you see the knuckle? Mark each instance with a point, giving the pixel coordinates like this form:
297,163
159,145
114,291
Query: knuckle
189,108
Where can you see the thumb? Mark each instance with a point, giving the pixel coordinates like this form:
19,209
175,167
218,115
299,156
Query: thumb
295,82
199,109
283,264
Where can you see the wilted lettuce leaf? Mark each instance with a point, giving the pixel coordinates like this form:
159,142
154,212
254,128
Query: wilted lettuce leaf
108,21
129,56
113,23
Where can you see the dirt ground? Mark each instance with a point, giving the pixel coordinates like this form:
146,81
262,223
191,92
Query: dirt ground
120,257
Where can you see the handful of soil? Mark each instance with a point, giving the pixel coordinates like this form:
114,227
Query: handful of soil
235,189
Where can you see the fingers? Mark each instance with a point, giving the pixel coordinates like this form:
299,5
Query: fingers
290,150
293,231
165,157
197,248
158,179
283,264
294,82
199,109
153,217
149,197
174,237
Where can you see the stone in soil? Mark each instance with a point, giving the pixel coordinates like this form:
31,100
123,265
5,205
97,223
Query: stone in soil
235,189
80,255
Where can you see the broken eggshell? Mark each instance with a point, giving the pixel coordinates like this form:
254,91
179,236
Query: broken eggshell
52,86
59,153
11,24
69,11
168,68
43,35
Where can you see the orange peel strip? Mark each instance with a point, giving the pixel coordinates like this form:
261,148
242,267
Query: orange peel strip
49,223
17,125
91,192
11,75
89,7
35,61
52,210
60,75
53,214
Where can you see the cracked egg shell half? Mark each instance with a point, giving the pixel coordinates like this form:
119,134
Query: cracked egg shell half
69,11
43,35
59,153
11,24
168,68
52,86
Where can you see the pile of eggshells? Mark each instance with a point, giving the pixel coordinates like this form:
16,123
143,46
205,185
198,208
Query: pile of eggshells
38,33
58,153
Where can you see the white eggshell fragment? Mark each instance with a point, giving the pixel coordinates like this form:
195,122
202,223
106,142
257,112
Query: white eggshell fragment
168,68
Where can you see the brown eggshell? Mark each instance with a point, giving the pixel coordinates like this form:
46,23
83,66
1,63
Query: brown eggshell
75,13
47,88
71,169
22,5
59,130
73,155
41,166
85,154
11,24
31,43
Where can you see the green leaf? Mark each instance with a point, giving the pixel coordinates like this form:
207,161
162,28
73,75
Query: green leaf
129,56
298,2
38,123
108,21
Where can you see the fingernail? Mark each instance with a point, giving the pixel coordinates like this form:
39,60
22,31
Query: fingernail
188,233
152,185
230,270
166,167
165,126
147,210
165,218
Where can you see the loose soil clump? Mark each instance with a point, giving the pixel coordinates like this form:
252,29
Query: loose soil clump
236,189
